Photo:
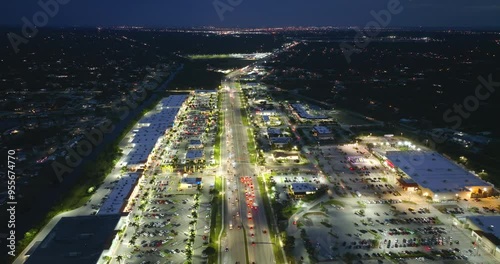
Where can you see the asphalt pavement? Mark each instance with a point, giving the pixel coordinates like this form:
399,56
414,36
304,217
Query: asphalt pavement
236,155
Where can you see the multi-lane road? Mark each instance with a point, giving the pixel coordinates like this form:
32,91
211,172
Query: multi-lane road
244,236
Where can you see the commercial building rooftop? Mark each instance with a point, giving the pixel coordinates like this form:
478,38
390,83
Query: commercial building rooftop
191,181
174,101
303,113
194,154
119,195
273,131
322,130
433,171
195,142
303,188
76,240
489,225
152,127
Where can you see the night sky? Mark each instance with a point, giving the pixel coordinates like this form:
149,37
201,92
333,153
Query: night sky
257,13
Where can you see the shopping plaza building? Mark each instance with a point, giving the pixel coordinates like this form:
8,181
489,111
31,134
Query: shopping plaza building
435,176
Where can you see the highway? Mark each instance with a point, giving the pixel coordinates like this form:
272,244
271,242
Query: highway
236,162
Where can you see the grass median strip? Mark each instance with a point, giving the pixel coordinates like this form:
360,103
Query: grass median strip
246,245
270,221
216,219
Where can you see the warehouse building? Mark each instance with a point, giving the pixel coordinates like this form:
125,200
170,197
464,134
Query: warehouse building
436,176
486,233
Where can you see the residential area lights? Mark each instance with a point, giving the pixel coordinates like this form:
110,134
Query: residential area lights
382,208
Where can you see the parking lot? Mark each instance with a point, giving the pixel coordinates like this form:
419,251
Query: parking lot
169,220
368,217
171,225
381,228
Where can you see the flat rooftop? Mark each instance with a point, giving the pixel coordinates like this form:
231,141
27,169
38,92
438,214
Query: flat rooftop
76,240
191,180
488,224
193,154
273,131
152,127
174,101
431,170
119,195
195,142
303,187
322,130
303,113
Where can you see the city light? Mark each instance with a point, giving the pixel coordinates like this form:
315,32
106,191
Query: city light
318,178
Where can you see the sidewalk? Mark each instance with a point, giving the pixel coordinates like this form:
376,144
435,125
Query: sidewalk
292,229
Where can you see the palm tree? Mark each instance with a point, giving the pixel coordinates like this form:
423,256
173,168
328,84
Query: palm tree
191,165
175,161
119,258
107,259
